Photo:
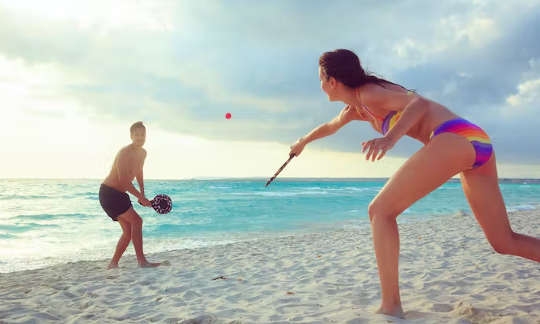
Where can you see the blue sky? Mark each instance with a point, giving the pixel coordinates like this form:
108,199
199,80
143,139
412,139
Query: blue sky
181,65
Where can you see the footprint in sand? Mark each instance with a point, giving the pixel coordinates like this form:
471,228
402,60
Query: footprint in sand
203,319
473,314
441,308
299,308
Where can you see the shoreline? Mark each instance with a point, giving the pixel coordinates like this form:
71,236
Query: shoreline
448,273
192,242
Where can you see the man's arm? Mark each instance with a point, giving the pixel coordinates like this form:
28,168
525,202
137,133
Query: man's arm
139,176
123,169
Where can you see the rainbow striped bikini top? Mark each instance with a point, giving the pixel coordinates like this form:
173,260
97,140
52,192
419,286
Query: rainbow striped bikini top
390,120
387,122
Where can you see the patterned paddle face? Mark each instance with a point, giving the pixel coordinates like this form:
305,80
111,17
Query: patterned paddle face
162,203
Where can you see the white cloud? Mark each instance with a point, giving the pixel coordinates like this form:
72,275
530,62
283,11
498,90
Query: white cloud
471,30
179,64
198,75
30,92
479,32
98,14
528,95
410,51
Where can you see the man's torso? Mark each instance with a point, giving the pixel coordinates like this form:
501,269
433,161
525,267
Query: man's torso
129,162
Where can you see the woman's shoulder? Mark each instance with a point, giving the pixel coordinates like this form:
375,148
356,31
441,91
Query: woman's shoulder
379,89
386,96
372,94
363,93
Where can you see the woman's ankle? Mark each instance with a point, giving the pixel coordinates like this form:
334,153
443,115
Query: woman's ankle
394,309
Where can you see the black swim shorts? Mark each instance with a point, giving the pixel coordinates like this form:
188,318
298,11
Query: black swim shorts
114,202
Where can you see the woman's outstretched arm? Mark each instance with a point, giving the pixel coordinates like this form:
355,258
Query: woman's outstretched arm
347,114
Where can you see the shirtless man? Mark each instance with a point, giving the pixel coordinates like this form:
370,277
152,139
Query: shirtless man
127,165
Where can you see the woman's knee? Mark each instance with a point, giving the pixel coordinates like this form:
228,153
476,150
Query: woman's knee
378,211
503,244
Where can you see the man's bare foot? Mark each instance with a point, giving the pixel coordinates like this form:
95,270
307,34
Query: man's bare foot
149,264
396,311
112,266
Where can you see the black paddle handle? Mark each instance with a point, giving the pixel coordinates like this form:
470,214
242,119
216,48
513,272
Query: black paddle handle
279,170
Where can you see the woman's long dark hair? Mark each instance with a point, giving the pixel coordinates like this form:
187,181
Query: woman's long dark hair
344,66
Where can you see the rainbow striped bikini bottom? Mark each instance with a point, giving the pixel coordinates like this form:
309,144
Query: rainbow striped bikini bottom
478,138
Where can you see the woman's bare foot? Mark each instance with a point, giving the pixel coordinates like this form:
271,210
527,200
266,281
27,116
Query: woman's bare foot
112,266
147,264
395,311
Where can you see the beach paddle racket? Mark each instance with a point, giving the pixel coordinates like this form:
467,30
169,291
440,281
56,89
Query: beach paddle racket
279,170
162,203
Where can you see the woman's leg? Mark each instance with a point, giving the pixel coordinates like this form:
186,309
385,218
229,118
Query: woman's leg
481,187
443,157
122,244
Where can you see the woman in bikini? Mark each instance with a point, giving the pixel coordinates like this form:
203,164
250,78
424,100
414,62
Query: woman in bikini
452,145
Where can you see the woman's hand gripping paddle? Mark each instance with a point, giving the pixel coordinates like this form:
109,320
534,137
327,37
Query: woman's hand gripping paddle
279,170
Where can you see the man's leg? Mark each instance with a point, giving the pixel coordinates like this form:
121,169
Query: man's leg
123,242
136,222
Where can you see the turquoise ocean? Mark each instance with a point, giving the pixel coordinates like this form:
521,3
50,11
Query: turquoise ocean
46,222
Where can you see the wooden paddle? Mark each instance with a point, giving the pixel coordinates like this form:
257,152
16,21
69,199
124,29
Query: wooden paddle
279,170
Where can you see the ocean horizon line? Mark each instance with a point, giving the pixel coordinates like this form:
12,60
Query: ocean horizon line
281,179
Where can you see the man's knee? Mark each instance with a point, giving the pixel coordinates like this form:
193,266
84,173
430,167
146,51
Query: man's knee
136,220
132,217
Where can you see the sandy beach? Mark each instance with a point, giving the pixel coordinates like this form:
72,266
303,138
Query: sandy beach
449,274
